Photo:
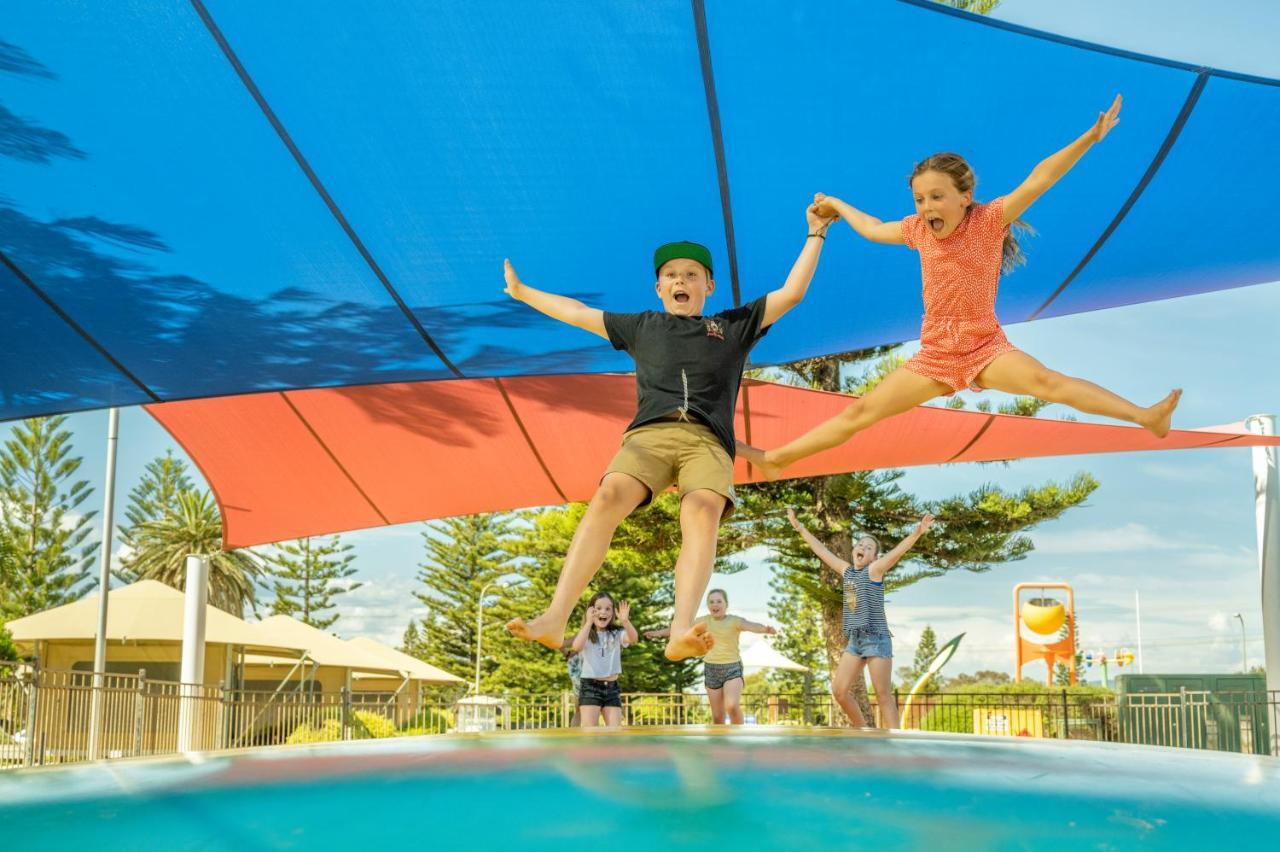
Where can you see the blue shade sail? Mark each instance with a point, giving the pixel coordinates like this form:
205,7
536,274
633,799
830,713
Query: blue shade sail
209,198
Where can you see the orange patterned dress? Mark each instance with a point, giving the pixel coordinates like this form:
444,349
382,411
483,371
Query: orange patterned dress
960,334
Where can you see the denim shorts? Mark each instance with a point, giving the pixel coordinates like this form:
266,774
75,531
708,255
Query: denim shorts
716,675
869,643
599,693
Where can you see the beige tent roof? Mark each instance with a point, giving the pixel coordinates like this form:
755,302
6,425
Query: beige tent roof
411,666
144,611
759,654
323,648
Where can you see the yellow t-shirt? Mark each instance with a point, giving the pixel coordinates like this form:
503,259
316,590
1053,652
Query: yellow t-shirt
726,631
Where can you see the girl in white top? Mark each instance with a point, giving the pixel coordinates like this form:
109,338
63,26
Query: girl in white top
599,644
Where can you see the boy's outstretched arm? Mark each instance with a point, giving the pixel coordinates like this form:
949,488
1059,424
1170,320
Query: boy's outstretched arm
562,308
867,226
792,291
1051,169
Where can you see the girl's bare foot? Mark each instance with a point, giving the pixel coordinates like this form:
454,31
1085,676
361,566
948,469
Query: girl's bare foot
759,459
540,630
1156,419
694,642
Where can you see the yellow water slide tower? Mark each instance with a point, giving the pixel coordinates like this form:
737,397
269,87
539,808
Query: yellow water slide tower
1036,622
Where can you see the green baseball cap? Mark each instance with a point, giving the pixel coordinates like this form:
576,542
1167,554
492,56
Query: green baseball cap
687,251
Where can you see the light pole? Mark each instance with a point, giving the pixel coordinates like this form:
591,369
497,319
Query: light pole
1244,654
480,624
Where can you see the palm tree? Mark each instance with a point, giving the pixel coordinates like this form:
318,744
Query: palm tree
161,546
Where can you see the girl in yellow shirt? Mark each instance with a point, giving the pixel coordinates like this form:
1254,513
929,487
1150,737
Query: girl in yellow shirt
722,665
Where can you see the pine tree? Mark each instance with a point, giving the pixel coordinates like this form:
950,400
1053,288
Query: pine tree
153,498
307,575
925,652
463,556
46,556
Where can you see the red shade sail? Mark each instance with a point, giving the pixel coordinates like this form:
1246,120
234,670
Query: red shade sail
312,462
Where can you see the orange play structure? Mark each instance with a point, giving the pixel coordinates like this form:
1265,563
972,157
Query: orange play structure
1044,616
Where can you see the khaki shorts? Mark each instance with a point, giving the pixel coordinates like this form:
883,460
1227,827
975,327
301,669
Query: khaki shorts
669,452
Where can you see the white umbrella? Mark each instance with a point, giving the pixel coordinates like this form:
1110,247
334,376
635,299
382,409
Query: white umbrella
758,654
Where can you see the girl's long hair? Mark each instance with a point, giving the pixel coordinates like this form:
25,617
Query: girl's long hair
613,625
961,173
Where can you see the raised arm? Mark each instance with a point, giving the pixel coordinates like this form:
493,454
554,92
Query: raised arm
1051,169
580,641
867,226
835,563
753,627
793,289
882,565
629,636
562,308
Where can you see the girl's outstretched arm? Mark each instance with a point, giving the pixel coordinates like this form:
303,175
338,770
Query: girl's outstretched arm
881,566
752,627
867,226
563,308
1050,170
835,563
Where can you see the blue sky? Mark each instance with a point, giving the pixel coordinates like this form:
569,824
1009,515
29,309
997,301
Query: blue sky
1177,527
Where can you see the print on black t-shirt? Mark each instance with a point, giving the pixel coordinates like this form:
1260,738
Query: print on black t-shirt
689,364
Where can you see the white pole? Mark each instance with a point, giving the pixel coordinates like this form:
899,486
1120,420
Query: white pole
104,588
1266,492
1137,614
1244,649
193,632
480,629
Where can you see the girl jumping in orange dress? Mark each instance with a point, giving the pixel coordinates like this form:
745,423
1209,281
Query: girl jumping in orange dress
964,247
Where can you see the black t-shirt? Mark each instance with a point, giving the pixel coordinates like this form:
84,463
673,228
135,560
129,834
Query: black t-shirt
691,364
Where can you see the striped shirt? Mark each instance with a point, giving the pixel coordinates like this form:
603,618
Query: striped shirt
867,597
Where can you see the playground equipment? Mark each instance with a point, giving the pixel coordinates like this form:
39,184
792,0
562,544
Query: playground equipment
1121,658
940,659
1044,616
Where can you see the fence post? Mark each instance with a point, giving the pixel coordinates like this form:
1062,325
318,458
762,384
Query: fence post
1066,716
33,698
1182,717
346,713
139,711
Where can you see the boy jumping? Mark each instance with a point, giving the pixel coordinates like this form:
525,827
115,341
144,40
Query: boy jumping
688,371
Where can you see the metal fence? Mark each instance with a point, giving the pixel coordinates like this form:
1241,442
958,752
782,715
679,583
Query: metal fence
45,716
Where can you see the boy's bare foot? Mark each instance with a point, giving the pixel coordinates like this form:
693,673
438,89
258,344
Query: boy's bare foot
694,642
539,630
1156,419
759,459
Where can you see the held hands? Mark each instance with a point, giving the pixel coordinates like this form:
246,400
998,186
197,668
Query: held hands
515,287
825,206
820,214
1106,121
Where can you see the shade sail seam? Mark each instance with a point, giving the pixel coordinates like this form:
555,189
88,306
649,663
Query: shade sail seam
1030,32
1170,138
317,185
529,440
324,446
717,142
991,419
75,326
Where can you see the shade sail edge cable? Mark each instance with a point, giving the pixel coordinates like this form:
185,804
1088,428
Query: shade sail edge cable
528,439
1170,139
333,456
283,134
80,330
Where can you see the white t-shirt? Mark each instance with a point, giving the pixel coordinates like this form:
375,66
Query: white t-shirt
603,658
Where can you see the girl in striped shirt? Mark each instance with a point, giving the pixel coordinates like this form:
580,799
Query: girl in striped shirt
870,644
